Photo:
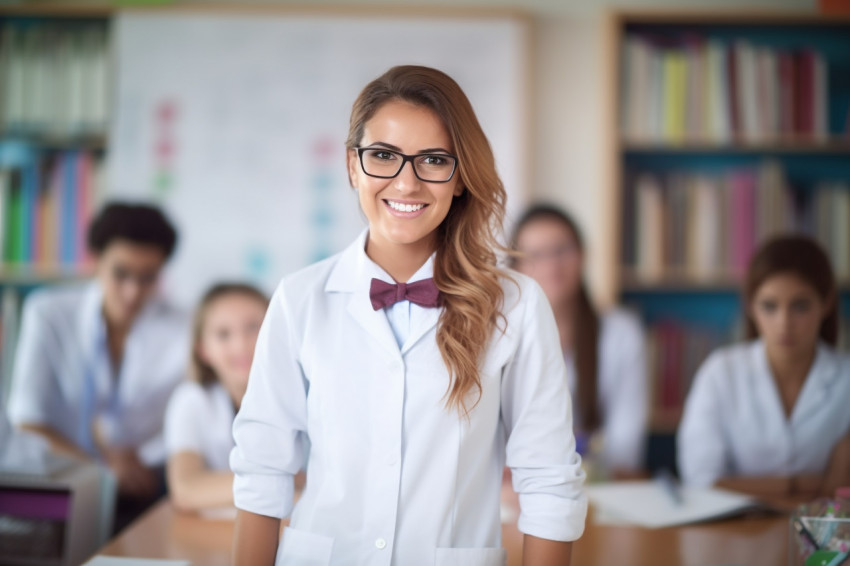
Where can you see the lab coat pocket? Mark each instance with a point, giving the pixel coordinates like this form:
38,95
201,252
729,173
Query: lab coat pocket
471,557
302,548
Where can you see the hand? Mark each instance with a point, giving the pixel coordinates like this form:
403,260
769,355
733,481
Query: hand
134,479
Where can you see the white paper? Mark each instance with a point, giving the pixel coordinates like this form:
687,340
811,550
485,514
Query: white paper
646,504
118,561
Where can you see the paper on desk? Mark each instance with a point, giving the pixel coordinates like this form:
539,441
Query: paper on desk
646,504
117,561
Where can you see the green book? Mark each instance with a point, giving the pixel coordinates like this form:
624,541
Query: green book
15,239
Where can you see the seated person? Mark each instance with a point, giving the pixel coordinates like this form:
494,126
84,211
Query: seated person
200,415
605,353
97,362
770,416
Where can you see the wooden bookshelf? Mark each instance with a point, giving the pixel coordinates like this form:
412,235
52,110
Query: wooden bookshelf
673,295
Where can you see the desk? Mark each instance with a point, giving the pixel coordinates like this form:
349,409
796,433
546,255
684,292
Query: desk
756,541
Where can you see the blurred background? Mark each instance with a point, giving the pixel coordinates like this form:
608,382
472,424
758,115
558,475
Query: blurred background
680,134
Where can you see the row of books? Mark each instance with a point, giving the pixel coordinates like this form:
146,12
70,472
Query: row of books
675,352
54,79
704,228
708,90
46,203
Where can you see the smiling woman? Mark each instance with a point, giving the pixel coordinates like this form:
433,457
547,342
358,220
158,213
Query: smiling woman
427,366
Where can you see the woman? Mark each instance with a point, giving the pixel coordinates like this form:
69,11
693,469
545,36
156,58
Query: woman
770,416
605,355
97,362
411,364
199,418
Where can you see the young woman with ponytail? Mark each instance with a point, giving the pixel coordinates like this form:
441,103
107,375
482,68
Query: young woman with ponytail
408,370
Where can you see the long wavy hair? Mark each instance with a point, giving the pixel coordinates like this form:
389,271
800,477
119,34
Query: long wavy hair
465,267
585,319
803,257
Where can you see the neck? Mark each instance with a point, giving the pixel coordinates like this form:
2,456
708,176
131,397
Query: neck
400,261
791,367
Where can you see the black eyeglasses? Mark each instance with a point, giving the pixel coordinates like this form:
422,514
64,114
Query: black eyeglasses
386,164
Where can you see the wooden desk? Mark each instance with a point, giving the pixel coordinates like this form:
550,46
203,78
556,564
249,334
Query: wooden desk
755,541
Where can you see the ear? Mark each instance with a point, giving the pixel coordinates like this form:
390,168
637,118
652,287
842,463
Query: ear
353,167
459,188
202,355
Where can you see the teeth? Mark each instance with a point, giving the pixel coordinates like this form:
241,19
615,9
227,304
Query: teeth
401,207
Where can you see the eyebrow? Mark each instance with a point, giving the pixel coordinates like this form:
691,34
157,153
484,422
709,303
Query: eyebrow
398,149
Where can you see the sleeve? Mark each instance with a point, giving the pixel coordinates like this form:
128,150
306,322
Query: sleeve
270,430
185,417
537,415
627,405
35,390
700,446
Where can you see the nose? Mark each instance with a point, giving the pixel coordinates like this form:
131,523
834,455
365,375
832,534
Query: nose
406,179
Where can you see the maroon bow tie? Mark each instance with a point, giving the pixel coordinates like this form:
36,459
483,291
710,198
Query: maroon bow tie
424,293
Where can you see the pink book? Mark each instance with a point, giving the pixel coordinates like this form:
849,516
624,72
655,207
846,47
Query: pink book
743,220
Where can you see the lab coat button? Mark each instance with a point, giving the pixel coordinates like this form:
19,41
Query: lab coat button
380,544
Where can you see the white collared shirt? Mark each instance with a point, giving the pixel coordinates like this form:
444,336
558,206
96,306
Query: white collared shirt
403,315
199,419
394,477
63,378
734,423
622,389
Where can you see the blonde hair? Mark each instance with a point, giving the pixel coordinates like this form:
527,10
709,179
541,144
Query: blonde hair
465,268
200,370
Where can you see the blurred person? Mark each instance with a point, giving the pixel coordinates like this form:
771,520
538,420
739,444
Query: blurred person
770,416
199,418
605,353
96,362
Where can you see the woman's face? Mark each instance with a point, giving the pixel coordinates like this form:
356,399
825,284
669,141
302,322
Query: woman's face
551,255
788,312
127,273
403,212
229,334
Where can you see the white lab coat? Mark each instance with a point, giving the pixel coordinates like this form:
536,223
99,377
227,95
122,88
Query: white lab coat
622,389
734,423
62,375
394,477
199,419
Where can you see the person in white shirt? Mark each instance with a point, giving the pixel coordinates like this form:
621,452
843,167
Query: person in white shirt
199,418
770,416
96,362
605,354
412,364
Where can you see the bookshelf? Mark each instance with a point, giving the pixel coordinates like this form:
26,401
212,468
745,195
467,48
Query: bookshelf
55,78
725,129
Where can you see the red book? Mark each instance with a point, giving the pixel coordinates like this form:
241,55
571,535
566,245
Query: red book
805,91
786,94
732,91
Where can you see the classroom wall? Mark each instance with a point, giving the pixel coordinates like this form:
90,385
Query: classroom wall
569,98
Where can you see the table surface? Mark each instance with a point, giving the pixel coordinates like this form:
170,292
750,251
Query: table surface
163,532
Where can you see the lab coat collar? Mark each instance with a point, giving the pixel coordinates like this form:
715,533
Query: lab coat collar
816,389
353,274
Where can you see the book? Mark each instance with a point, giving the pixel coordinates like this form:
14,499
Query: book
647,504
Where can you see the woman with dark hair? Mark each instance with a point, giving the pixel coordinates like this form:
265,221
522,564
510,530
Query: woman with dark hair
605,353
770,416
409,369
97,362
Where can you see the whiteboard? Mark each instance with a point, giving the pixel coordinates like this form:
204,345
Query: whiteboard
235,125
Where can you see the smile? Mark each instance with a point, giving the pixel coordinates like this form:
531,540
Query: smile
402,207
